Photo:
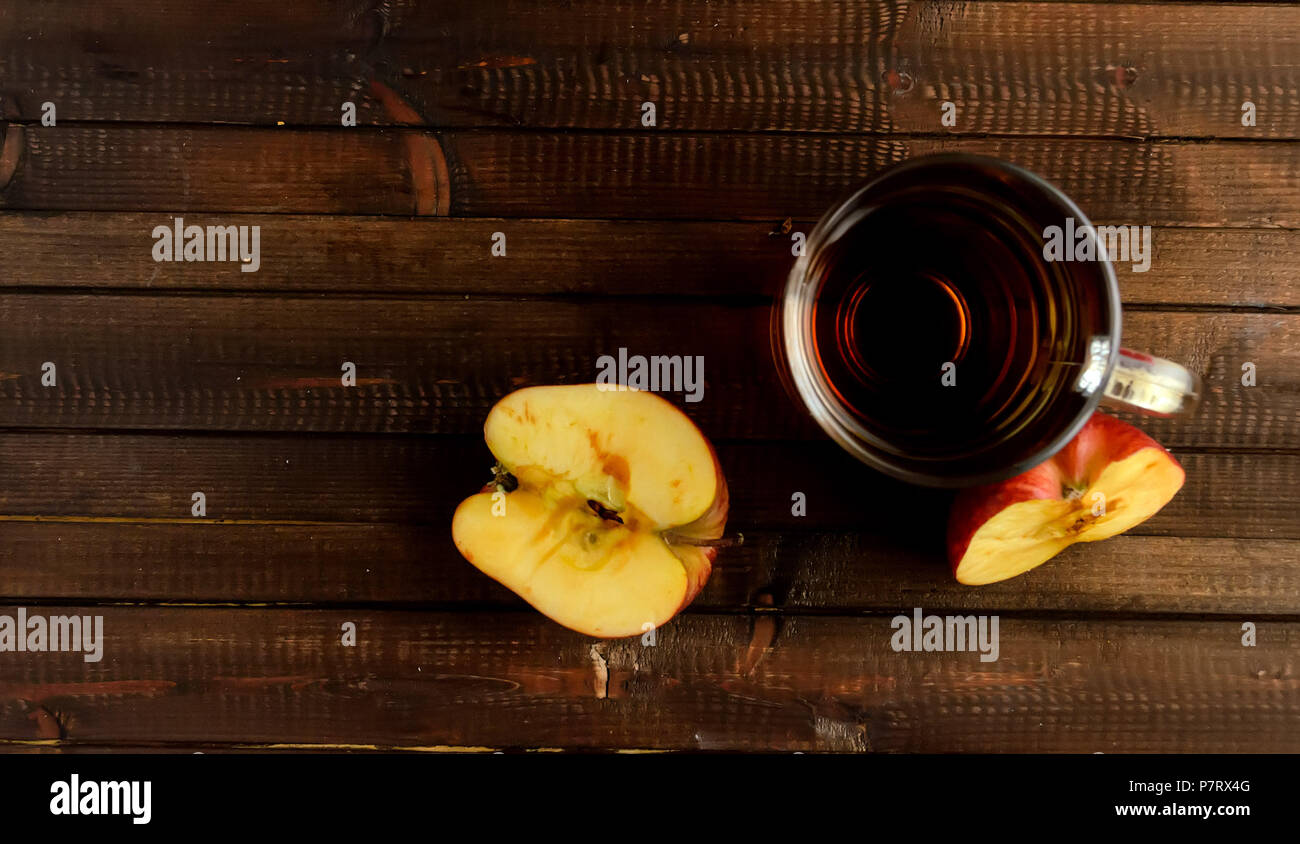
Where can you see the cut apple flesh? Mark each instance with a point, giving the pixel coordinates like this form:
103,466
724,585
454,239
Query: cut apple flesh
614,487
594,439
1110,478
586,573
1030,533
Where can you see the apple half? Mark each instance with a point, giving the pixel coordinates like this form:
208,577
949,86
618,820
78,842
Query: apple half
606,510
1109,478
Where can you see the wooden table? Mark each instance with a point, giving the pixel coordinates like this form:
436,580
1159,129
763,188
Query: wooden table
328,504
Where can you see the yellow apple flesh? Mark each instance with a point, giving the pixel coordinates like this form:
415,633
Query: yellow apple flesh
618,498
1108,479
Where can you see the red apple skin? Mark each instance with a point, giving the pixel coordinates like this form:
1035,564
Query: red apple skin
1102,441
711,525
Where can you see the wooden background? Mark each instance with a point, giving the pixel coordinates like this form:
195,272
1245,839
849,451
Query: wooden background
328,504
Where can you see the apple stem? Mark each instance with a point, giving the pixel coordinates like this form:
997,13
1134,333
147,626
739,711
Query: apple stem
503,479
700,542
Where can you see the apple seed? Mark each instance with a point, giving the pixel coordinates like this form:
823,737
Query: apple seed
603,511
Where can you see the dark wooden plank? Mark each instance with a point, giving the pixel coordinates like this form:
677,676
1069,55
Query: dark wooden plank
1095,68
64,746
646,174
415,565
409,480
209,169
360,255
1233,267
438,365
154,61
57,747
772,176
880,65
709,682
422,366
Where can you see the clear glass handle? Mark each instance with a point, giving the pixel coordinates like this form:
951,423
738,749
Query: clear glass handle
1151,385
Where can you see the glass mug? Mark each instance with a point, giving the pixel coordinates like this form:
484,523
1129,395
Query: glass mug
930,330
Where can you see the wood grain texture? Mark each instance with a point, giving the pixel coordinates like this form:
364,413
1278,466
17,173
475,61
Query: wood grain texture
438,365
416,566
647,174
1257,268
436,679
830,65
1096,68
662,175
208,169
328,505
286,478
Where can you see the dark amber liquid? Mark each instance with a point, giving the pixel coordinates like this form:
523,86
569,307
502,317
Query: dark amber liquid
940,280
